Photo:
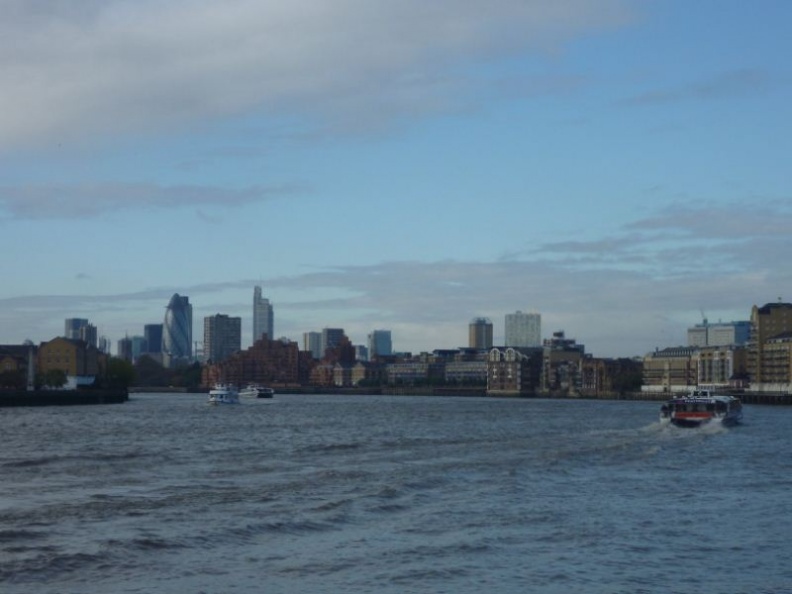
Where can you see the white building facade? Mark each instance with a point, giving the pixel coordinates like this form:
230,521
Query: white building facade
523,330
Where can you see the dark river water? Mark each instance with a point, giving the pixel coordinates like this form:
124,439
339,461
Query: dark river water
383,494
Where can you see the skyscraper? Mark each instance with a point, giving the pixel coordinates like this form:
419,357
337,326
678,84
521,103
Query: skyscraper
124,349
312,342
523,329
103,344
153,335
139,346
177,331
72,328
379,343
80,329
719,333
263,317
331,337
480,334
222,337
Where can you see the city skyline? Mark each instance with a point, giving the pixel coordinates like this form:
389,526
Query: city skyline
527,325
617,165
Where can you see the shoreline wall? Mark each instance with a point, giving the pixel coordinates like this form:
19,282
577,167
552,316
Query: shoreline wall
61,397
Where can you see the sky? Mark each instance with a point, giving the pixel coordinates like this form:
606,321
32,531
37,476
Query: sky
619,166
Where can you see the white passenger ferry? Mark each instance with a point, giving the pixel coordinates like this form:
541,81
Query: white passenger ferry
701,406
223,394
256,391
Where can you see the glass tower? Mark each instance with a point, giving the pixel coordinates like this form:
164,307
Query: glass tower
379,343
153,335
177,330
263,317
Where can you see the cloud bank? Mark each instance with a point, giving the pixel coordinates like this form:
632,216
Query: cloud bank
78,201
613,307
95,69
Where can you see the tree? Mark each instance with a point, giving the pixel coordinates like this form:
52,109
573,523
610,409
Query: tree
191,376
119,373
54,378
187,377
150,373
13,379
629,377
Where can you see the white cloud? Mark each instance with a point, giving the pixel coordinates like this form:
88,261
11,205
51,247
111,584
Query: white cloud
724,84
71,71
611,306
78,201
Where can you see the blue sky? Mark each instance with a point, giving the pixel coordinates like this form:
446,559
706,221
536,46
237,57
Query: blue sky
619,166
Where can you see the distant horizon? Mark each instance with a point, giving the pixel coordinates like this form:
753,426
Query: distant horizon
356,341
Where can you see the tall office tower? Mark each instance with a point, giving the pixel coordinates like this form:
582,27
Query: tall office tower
361,353
125,349
88,334
379,343
719,334
139,346
80,329
773,320
312,342
331,337
480,333
153,335
523,329
103,344
177,331
263,317
222,337
73,327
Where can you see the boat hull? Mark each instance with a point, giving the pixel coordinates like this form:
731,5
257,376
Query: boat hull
257,392
215,401
698,422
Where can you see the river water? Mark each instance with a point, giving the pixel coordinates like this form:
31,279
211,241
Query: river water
344,494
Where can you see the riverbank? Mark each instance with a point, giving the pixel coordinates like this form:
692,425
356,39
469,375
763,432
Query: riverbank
771,398
746,397
61,397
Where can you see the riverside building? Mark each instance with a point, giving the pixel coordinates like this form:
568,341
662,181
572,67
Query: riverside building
562,359
770,348
514,371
